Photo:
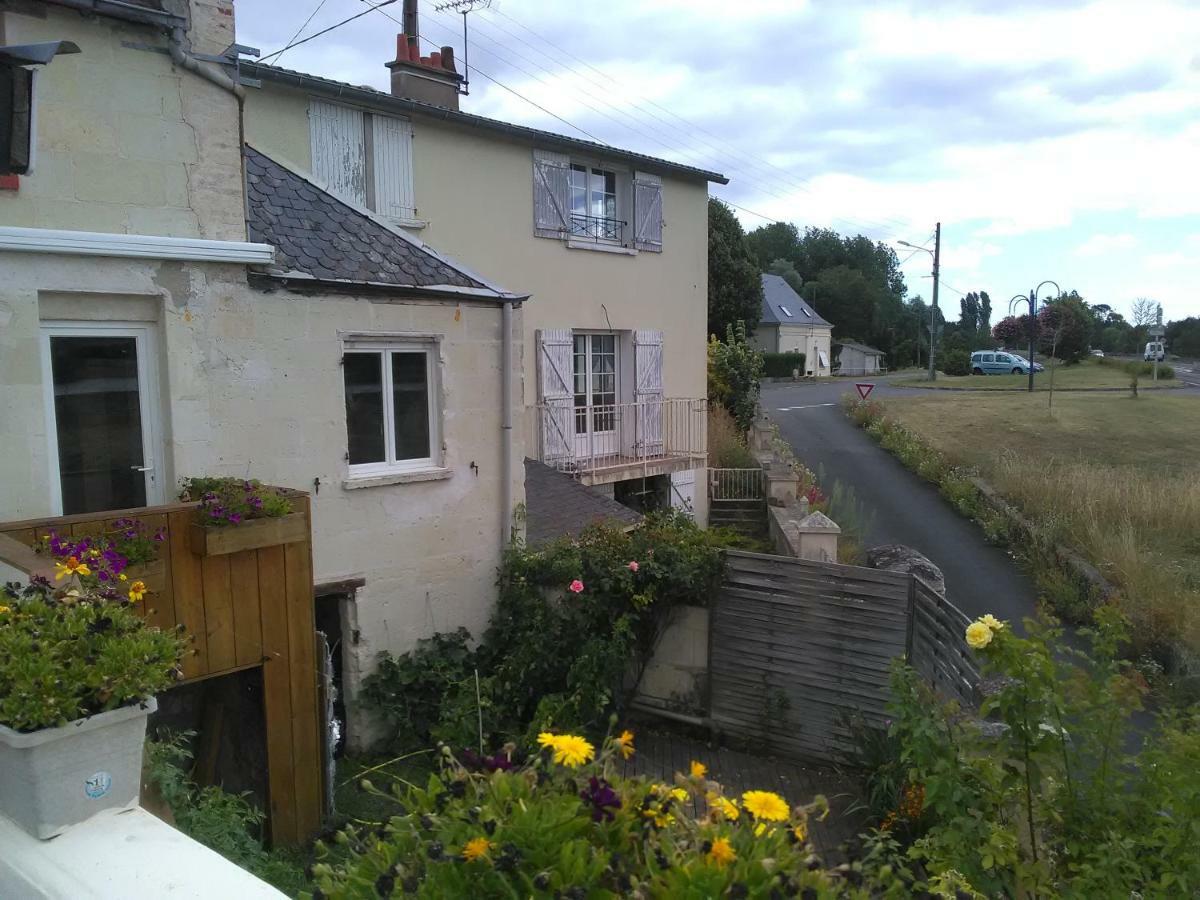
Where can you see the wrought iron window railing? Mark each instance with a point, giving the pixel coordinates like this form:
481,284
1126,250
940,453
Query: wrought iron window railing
599,228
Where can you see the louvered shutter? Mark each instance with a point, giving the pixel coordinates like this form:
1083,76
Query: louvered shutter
647,212
394,196
338,149
557,400
551,193
648,390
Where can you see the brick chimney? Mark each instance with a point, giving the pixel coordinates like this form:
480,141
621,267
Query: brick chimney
428,79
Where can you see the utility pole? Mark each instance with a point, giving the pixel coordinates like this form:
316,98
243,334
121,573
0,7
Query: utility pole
937,259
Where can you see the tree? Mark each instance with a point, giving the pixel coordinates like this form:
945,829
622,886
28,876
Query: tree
1015,331
1183,336
734,280
848,299
968,315
1144,312
1065,327
735,372
785,270
779,240
984,322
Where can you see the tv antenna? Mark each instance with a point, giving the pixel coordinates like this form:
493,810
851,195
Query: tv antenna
464,7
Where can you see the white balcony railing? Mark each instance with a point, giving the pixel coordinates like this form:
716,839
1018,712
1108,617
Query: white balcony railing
586,440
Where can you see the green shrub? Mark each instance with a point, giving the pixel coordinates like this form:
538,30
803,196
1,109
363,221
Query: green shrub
781,365
573,828
735,371
572,622
956,362
72,650
226,823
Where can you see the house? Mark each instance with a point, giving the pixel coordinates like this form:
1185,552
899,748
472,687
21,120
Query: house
162,316
859,359
610,245
790,325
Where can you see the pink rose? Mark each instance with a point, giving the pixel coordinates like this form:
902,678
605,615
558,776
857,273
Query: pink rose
575,587
633,566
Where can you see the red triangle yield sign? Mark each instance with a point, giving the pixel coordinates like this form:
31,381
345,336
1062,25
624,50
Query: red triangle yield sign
864,388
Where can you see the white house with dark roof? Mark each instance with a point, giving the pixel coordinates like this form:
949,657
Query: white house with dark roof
789,325
610,245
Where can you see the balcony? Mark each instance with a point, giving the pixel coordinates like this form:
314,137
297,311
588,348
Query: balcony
616,442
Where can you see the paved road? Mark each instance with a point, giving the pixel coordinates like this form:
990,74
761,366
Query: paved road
907,510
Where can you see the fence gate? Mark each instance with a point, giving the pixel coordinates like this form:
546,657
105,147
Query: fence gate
737,498
799,649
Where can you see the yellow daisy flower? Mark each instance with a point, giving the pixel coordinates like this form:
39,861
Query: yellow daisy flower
137,591
699,769
721,852
726,807
625,744
476,848
978,635
572,751
72,566
765,805
546,739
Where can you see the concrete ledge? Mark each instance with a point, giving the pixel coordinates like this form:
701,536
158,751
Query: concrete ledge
369,481
129,854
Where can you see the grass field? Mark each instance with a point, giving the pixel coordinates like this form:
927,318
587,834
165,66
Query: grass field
1088,374
1114,476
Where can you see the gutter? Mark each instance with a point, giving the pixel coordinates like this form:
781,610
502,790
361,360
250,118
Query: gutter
506,426
119,9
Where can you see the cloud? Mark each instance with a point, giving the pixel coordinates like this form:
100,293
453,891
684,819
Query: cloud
1101,244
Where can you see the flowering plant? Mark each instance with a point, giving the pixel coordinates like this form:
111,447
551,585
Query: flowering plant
566,825
100,561
72,650
230,501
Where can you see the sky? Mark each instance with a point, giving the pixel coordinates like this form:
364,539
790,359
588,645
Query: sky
1053,139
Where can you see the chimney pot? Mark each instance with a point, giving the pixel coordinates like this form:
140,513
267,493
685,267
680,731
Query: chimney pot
424,60
401,47
414,49
448,59
435,59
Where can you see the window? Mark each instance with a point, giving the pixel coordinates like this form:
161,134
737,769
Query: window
594,204
787,312
364,158
392,419
595,371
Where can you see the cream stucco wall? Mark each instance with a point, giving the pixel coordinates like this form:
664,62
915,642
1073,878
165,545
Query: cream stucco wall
807,339
126,142
251,385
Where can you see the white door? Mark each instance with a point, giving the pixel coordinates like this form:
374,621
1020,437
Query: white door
101,413
596,410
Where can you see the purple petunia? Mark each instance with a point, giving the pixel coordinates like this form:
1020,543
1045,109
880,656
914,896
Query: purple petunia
604,800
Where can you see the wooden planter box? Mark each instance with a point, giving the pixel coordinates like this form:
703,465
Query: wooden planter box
219,540
152,574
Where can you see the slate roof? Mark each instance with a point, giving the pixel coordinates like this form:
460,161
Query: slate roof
862,348
346,92
778,296
318,235
557,505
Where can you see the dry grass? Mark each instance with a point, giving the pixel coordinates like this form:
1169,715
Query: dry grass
726,445
1115,477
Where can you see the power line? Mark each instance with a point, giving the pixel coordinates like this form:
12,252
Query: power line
316,10
499,84
762,165
327,30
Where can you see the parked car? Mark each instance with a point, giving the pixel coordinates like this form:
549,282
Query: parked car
1037,366
1155,350
999,362
1099,354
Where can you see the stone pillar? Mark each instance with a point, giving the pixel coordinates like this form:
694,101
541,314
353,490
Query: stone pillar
818,537
782,484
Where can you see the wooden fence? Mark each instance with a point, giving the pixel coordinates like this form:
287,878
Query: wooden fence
800,649
245,609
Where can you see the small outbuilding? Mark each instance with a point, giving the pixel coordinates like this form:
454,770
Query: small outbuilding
859,359
790,325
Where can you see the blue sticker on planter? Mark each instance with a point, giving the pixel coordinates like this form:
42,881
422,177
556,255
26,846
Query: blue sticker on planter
98,785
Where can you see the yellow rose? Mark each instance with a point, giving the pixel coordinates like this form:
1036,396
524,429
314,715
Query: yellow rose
991,622
978,635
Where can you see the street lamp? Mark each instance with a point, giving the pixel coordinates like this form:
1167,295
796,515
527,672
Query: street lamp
1032,300
933,310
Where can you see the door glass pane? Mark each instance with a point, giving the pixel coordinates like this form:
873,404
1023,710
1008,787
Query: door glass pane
410,395
98,413
363,374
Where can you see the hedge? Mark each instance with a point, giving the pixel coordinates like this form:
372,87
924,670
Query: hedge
781,365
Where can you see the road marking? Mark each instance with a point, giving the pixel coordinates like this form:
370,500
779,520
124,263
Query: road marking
811,406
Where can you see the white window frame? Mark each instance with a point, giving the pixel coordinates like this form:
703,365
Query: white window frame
385,345
623,187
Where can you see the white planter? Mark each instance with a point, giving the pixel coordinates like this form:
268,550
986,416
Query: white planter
54,778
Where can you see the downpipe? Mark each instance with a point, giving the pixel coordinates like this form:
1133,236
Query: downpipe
506,424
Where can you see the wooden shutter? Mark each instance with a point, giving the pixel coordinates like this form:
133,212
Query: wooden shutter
551,193
647,212
339,149
683,491
555,348
648,390
392,138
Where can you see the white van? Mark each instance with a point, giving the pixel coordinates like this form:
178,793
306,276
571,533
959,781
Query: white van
1155,350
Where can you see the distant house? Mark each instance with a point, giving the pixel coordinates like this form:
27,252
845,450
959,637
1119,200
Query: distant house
789,324
859,359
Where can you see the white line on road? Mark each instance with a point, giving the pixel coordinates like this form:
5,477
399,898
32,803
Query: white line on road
810,406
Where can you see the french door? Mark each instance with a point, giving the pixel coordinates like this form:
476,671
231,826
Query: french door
596,411
101,411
